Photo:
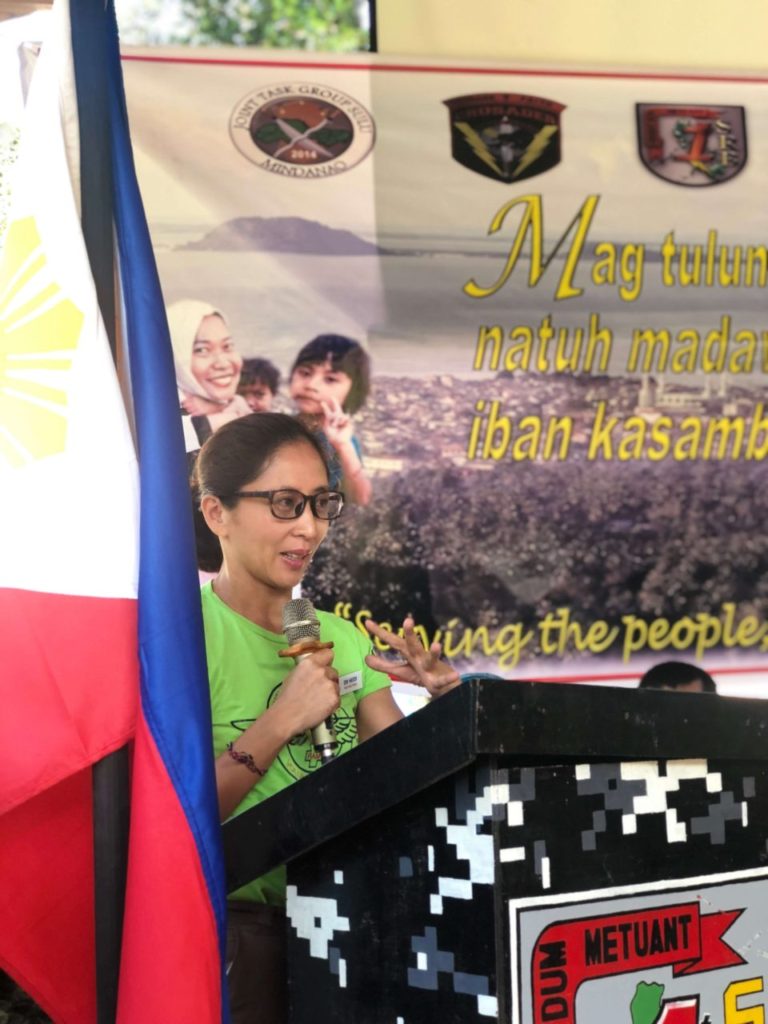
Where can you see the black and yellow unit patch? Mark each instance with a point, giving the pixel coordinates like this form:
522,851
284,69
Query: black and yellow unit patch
505,136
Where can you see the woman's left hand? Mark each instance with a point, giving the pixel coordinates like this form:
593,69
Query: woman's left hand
418,665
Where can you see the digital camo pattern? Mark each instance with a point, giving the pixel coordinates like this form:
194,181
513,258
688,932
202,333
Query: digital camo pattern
404,916
641,788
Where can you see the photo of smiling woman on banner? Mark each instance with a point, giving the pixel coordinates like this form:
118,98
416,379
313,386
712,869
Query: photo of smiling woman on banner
208,367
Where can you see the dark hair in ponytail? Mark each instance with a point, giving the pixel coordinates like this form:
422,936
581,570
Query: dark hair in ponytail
243,448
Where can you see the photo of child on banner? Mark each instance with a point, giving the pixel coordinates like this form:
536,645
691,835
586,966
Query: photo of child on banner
259,383
329,382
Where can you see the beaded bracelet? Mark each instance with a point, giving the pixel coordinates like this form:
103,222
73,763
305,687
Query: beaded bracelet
245,759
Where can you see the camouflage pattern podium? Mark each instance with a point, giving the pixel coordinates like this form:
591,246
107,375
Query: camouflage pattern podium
527,852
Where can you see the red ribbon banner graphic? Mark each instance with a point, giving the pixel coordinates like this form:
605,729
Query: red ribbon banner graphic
568,953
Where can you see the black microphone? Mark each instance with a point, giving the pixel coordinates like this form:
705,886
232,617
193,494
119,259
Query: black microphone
302,630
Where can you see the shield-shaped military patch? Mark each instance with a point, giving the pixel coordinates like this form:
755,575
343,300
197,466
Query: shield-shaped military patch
692,144
505,136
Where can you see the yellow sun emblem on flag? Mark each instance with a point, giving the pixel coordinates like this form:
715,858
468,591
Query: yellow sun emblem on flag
38,326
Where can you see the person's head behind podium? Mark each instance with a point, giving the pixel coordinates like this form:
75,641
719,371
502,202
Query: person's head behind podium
680,676
240,460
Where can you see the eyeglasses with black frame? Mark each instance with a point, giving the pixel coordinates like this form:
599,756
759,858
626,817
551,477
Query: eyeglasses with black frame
286,503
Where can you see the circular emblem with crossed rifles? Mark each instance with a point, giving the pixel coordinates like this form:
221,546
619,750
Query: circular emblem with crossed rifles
302,130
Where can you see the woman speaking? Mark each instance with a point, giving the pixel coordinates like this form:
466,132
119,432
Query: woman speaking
263,487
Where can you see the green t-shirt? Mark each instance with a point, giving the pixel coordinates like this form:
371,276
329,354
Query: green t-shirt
245,674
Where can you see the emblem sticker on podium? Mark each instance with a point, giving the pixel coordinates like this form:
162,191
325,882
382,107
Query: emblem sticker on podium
682,952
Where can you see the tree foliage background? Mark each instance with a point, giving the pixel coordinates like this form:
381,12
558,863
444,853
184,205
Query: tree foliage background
337,25
657,540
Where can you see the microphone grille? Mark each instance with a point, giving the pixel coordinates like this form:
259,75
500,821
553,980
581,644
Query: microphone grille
300,621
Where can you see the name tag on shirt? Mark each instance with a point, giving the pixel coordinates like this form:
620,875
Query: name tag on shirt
351,682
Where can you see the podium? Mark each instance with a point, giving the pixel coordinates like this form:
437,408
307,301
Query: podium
528,852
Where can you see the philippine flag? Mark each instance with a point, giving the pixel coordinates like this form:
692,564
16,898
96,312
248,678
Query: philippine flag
101,627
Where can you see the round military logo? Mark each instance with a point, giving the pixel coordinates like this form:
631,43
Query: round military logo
302,130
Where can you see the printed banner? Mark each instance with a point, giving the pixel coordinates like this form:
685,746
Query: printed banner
559,282
673,954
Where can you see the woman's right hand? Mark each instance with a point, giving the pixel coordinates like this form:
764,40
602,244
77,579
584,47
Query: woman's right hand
309,694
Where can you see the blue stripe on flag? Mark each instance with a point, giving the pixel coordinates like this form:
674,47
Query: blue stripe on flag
174,681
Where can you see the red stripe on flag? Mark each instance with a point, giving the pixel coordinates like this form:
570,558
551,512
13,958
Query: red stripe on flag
168,907
70,670
46,899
